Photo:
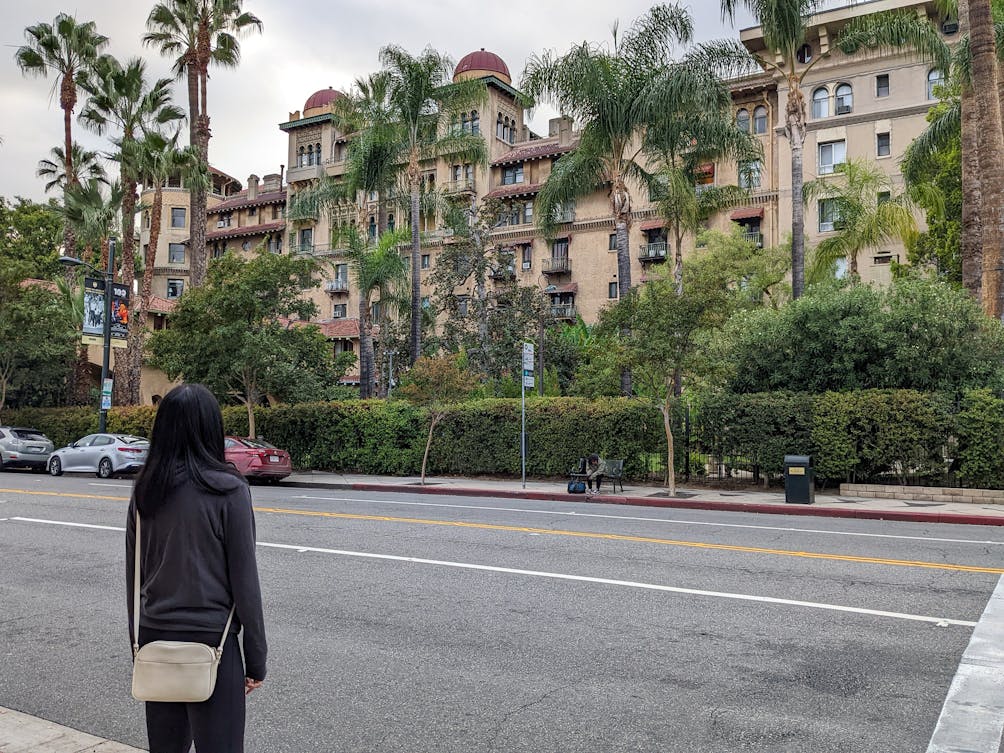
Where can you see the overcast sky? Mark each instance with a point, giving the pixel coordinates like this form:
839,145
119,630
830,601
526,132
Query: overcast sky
306,45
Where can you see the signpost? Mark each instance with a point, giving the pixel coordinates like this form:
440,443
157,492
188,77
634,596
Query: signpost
527,382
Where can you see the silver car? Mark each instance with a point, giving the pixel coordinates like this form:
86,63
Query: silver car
103,454
23,448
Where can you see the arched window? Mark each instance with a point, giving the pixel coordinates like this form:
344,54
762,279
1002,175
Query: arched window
475,123
310,154
845,99
935,78
498,127
505,129
821,103
743,120
512,132
390,222
804,54
760,120
303,158
465,127
372,228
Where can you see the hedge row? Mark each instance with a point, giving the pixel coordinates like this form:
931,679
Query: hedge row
853,436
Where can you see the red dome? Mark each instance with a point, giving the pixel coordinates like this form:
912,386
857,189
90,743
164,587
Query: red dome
322,98
482,61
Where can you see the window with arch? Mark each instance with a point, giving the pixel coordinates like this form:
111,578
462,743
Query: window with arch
505,129
760,120
317,153
821,103
804,54
302,158
475,123
372,228
465,126
844,99
743,120
935,78
512,133
390,222
498,127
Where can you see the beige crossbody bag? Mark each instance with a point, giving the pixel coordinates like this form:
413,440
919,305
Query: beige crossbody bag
172,671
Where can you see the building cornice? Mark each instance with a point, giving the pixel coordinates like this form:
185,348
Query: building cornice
302,122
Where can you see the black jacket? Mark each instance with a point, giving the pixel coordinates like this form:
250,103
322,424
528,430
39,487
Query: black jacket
197,559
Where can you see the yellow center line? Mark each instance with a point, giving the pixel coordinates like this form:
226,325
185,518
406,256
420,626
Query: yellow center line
581,534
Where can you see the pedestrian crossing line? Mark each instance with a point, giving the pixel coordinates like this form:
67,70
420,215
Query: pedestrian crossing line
638,540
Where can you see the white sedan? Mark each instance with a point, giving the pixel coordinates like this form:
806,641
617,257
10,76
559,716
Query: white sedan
103,454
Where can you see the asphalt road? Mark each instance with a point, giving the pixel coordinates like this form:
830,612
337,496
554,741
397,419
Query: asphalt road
438,624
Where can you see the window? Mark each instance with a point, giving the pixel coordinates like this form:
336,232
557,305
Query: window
275,211
252,211
527,256
307,239
505,129
176,253
177,217
821,103
612,242
475,123
743,120
831,154
425,261
465,126
749,174
559,249
845,99
301,158
882,85
528,213
883,144
375,309
498,127
146,219
512,175
339,310
390,222
341,271
175,288
275,244
804,54
841,271
935,79
612,290
829,216
760,120
469,173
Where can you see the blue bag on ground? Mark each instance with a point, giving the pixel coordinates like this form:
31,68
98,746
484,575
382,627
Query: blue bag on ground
576,487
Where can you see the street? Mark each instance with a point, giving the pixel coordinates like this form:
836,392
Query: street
439,624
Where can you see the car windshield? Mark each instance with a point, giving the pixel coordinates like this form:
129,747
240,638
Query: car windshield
257,444
30,435
128,439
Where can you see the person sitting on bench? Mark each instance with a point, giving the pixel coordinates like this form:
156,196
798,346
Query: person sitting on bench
596,469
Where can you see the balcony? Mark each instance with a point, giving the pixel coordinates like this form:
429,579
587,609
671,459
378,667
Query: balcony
563,311
559,266
304,172
302,249
338,285
465,185
506,273
652,252
756,238
563,216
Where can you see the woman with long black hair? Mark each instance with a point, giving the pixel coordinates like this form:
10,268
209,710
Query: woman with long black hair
197,563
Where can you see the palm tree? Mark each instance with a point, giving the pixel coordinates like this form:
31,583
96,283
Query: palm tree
65,48
199,33
93,215
867,214
122,99
83,162
612,92
377,269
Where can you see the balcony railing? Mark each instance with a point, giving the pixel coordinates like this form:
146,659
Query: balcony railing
563,311
754,237
459,186
559,266
302,249
652,251
306,172
338,285
564,215
506,273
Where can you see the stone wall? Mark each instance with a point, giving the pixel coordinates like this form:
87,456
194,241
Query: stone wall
924,493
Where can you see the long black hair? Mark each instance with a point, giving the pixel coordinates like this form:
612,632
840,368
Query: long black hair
187,441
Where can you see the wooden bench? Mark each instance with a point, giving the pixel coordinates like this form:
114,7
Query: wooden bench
614,474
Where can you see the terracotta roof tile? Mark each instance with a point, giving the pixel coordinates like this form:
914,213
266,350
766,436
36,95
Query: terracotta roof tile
534,150
518,189
160,305
240,200
239,232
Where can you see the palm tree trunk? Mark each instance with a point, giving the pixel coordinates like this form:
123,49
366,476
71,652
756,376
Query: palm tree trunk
620,202
972,220
199,136
129,390
796,139
67,100
416,280
991,151
365,348
678,260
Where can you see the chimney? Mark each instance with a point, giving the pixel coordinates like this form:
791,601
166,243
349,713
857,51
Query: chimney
271,183
252,187
282,172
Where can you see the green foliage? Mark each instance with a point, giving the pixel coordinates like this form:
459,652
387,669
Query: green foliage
981,439
435,383
30,234
918,334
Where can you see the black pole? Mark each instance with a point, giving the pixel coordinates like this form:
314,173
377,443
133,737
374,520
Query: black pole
107,332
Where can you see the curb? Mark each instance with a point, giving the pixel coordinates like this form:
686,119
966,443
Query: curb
678,504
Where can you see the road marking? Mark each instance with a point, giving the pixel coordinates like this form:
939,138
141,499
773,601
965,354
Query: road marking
63,494
642,519
639,540
113,486
972,718
300,549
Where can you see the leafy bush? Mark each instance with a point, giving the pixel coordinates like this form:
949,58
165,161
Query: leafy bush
980,457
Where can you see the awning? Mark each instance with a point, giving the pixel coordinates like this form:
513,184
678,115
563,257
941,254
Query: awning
572,287
746,213
653,225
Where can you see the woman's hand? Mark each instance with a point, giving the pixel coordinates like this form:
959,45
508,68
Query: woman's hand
250,685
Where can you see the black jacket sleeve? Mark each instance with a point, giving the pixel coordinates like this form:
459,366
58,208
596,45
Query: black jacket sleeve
242,568
130,542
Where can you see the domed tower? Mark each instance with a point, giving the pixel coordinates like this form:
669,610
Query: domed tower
481,64
319,102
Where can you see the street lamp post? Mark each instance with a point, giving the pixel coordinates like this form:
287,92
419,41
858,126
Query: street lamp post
109,275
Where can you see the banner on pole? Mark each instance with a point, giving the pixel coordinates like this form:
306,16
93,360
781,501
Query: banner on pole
94,313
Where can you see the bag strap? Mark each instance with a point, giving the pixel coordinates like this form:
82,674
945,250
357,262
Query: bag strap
135,601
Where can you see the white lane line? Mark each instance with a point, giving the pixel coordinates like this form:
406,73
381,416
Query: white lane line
113,486
972,718
636,518
940,621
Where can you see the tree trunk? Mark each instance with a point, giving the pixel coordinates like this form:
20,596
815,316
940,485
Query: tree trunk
67,100
678,262
251,427
795,131
365,348
128,386
622,225
416,281
667,425
991,150
199,131
436,418
972,224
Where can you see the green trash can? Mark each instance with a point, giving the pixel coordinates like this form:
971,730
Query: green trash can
799,483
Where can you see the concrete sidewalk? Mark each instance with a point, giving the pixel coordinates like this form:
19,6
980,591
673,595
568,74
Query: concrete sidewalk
697,498
21,733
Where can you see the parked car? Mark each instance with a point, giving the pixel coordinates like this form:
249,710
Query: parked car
24,448
256,459
104,454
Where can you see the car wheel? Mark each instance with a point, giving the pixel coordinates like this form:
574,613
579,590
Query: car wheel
55,467
105,468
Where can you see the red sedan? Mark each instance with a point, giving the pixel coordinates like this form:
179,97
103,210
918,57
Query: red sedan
256,459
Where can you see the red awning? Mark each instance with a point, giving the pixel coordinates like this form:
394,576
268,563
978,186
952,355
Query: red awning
746,213
572,287
653,225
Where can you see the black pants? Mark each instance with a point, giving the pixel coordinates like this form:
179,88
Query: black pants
215,725
597,479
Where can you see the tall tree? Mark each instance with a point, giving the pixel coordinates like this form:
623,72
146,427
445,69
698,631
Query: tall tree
611,91
83,163
92,214
65,48
29,235
199,33
122,100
